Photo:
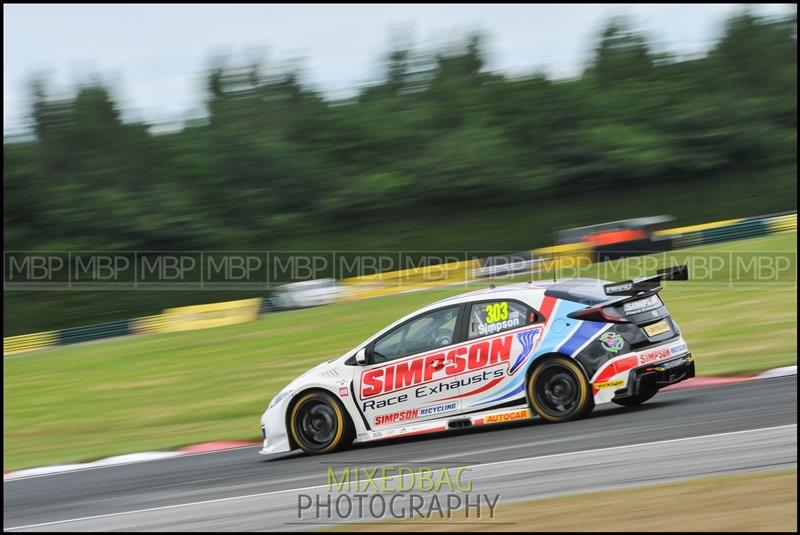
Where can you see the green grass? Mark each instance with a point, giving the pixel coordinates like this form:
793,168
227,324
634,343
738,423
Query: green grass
165,390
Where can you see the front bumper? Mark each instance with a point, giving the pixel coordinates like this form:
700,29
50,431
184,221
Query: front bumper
657,375
273,430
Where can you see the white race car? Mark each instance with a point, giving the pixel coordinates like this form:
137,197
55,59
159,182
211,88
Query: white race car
508,353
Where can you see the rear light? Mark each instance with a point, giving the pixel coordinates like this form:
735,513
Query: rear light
598,313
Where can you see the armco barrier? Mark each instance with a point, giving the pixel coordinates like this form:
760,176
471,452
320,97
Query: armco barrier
734,229
739,230
175,319
147,324
28,342
75,335
783,223
211,315
687,230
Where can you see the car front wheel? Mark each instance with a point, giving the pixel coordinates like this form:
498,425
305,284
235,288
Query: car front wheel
318,424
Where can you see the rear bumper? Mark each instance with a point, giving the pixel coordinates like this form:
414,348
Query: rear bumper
652,377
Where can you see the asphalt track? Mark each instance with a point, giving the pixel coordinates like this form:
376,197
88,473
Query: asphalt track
681,434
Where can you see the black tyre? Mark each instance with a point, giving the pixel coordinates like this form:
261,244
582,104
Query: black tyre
318,423
558,390
633,401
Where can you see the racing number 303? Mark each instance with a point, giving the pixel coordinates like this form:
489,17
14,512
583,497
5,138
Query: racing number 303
496,312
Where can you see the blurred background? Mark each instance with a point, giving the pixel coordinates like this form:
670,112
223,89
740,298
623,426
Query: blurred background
379,128
499,141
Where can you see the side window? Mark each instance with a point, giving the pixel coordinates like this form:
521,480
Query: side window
497,316
429,331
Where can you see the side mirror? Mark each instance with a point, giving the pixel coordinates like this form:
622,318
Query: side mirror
361,356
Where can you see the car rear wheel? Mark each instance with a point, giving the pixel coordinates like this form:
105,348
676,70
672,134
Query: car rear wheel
318,423
558,391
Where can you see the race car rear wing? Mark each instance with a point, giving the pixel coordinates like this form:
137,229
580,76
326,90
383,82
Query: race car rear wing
639,290
647,284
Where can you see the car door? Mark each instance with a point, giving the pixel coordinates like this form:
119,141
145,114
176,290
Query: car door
511,330
405,379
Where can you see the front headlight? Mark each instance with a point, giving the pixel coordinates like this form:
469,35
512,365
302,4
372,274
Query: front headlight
277,399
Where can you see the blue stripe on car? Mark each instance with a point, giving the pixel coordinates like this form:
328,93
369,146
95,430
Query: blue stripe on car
585,332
